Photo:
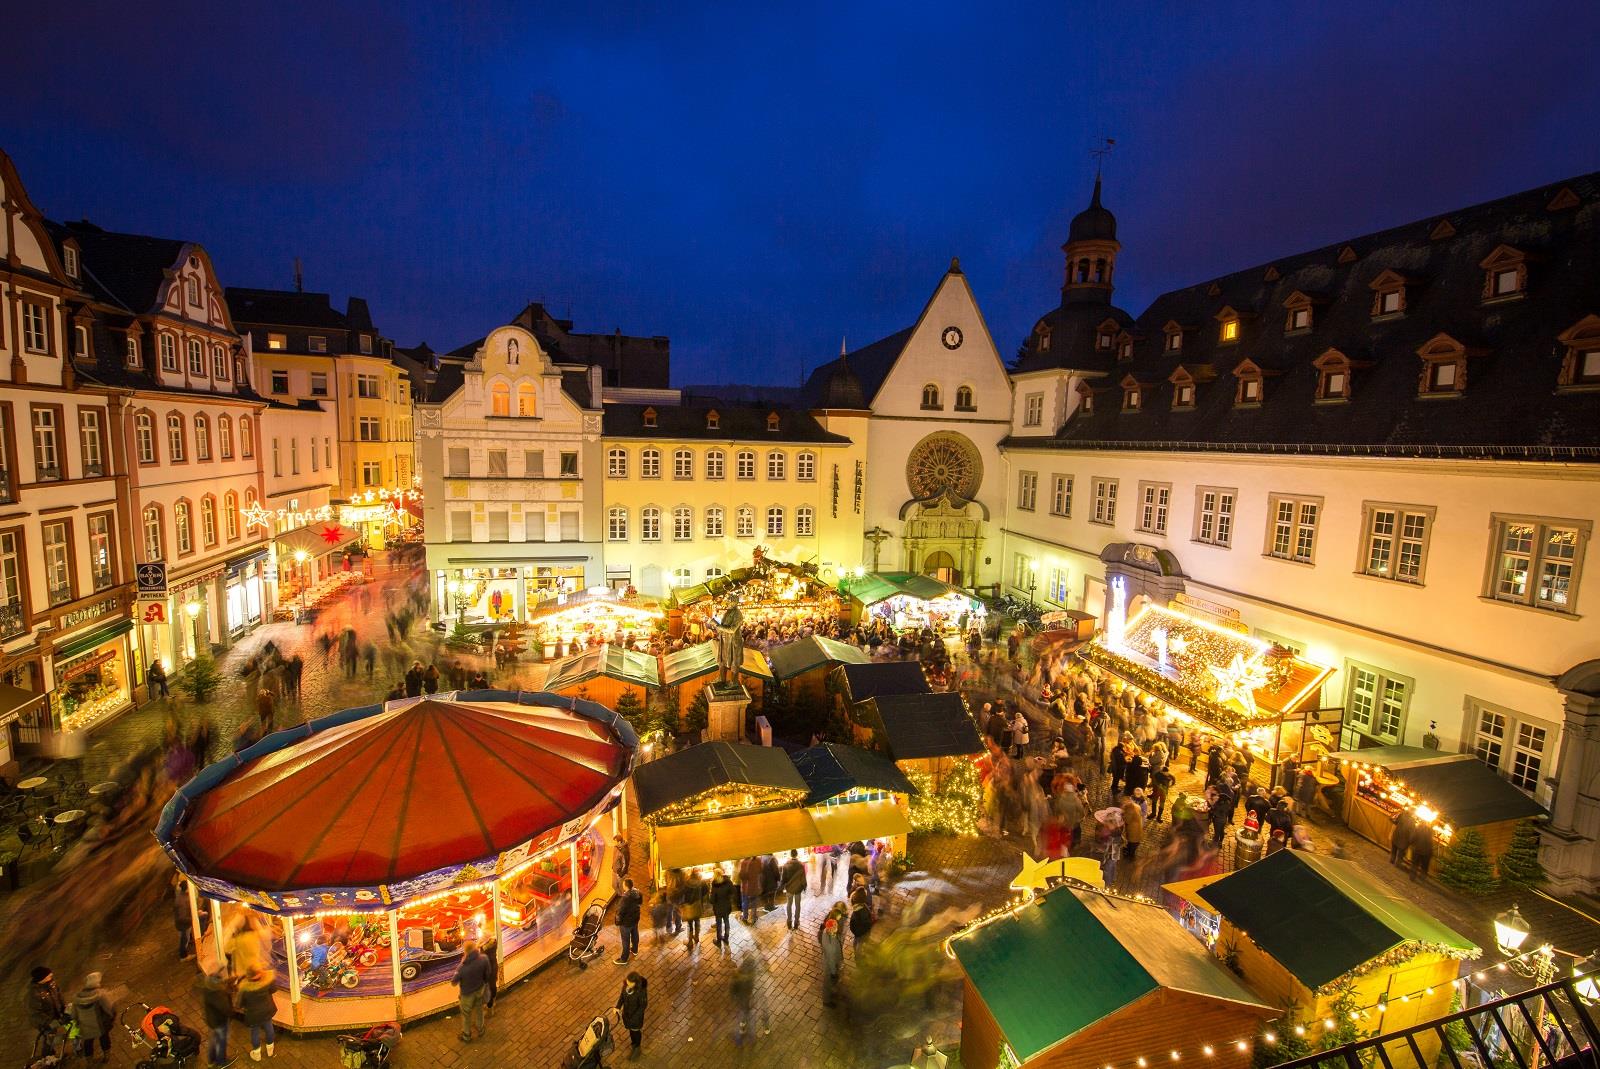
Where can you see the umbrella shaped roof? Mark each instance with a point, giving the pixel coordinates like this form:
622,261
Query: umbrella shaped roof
407,788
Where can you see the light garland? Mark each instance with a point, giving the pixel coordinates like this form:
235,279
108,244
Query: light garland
953,807
727,800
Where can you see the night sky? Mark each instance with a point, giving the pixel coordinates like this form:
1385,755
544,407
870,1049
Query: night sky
756,185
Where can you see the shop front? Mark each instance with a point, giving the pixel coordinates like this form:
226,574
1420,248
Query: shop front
567,623
381,515
242,595
90,668
361,885
516,592
23,704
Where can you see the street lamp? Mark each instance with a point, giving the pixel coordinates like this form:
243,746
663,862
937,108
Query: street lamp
1033,581
193,609
300,557
1510,931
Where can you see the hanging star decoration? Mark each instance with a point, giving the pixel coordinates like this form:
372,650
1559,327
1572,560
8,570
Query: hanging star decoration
1239,682
254,516
331,534
1036,875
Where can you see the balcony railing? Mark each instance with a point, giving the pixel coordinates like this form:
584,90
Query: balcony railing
11,622
1549,1026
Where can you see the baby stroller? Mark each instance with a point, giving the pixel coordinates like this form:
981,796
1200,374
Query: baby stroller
172,1046
590,1049
586,936
371,1049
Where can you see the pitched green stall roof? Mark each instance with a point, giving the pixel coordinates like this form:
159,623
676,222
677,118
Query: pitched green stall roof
1341,917
692,662
793,658
615,662
881,586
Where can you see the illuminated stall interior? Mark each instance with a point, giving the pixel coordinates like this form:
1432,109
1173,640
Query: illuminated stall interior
907,600
770,593
375,842
1223,680
568,622
1444,790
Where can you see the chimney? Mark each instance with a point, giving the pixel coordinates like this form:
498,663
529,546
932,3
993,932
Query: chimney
299,277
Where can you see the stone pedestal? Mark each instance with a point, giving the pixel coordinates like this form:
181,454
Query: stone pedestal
726,703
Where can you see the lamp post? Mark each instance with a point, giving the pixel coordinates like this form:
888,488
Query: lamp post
1539,965
300,556
1033,581
192,608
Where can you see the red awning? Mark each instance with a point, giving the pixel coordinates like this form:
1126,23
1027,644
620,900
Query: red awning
392,796
414,506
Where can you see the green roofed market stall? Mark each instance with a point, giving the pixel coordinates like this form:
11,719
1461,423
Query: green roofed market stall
693,668
907,600
605,673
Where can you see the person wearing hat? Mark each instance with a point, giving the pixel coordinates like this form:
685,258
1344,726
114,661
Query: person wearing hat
43,1004
94,1014
216,1006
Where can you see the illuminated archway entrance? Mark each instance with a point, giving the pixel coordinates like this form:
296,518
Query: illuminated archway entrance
942,566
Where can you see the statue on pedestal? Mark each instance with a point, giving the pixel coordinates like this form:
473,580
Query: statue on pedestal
730,642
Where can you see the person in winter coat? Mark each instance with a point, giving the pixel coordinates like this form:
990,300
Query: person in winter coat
621,857
430,680
491,951
793,878
749,888
1214,763
216,1007
42,1001
181,918
94,1014
1132,828
1421,850
472,982
769,882
830,936
1137,776
723,896
257,1007
1160,783
1118,768
692,905
632,1001
629,904
860,913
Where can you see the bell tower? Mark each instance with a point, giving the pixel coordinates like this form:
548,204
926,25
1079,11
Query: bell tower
1091,250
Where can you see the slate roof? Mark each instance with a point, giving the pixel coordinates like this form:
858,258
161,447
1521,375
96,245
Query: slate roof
917,726
870,363
734,423
1342,917
701,768
123,270
884,677
284,308
437,386
1510,406
830,770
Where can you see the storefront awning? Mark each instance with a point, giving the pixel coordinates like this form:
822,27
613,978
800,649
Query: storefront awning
319,538
88,640
859,821
732,838
14,701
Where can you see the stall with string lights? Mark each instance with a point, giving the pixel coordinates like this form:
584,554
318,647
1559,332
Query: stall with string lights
605,673
907,601
689,671
360,851
563,622
1444,791
1215,675
772,594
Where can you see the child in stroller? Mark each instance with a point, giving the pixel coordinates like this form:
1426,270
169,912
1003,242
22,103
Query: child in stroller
589,1050
586,936
371,1049
172,1045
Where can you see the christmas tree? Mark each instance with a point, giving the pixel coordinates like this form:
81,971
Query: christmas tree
1519,865
1466,866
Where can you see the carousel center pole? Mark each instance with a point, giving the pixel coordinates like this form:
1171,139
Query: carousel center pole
292,955
394,963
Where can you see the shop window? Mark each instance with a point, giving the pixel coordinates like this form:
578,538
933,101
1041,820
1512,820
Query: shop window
1537,562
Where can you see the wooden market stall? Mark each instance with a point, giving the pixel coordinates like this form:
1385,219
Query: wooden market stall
605,673
908,600
1450,791
563,621
855,795
692,668
855,683
922,733
771,593
1147,993
1301,928
803,666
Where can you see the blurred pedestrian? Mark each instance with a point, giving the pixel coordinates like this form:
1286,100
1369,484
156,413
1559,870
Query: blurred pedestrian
94,1015
155,679
830,936
629,904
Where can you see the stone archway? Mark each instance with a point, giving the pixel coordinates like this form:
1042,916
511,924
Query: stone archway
942,566
943,537
1153,573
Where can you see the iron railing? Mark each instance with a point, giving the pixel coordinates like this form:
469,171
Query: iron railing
1543,1027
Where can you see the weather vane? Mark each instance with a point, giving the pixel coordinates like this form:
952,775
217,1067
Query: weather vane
1102,149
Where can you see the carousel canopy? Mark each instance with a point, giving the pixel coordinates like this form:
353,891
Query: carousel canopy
917,726
387,793
830,770
614,662
794,658
1461,787
692,662
1341,917
687,773
881,586
869,680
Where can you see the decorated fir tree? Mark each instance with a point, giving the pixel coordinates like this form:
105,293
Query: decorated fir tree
1519,865
1466,866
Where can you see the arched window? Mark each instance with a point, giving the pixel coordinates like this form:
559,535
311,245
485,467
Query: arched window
714,521
744,522
208,520
191,290
745,464
527,400
183,527
682,523
683,464
714,572
776,463
145,437
930,396
716,463
774,522
805,467
617,463
152,532
617,525
650,524
964,399
650,464
202,438
500,399
225,437
175,438
247,442
804,521
230,514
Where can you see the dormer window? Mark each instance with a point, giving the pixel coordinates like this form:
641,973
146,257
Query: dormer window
1250,390
1174,333
1085,399
1125,348
1227,326
1132,394
1388,295
69,259
1444,367
1183,388
1333,376
1580,368
1505,274
649,417
713,420
772,423
1105,337
1299,319
1042,337
1297,312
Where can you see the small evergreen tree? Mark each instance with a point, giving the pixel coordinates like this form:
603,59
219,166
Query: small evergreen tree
200,680
1520,865
1466,866
1286,1045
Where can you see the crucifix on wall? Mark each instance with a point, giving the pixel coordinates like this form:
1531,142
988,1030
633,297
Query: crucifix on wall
877,536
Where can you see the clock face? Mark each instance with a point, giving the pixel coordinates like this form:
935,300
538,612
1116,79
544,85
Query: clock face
952,337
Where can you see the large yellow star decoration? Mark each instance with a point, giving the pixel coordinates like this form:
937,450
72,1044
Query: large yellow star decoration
1036,875
1239,682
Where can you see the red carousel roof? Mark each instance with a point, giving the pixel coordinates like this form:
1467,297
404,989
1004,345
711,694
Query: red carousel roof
401,793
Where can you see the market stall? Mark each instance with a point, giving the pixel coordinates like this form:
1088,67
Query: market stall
855,683
565,622
922,733
802,666
604,674
1448,791
1305,930
776,599
357,853
693,667
855,795
1215,675
905,600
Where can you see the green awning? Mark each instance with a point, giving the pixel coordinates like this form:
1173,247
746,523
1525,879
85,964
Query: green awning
88,640
692,662
881,586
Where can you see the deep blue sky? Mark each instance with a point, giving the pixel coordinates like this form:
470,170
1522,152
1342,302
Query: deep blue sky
757,184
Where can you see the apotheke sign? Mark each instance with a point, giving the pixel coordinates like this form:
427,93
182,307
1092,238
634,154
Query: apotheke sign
72,619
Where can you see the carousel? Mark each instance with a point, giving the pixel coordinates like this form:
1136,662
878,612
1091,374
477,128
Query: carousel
355,855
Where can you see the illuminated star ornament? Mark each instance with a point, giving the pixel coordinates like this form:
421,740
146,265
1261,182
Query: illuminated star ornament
1036,875
1239,682
332,534
255,516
